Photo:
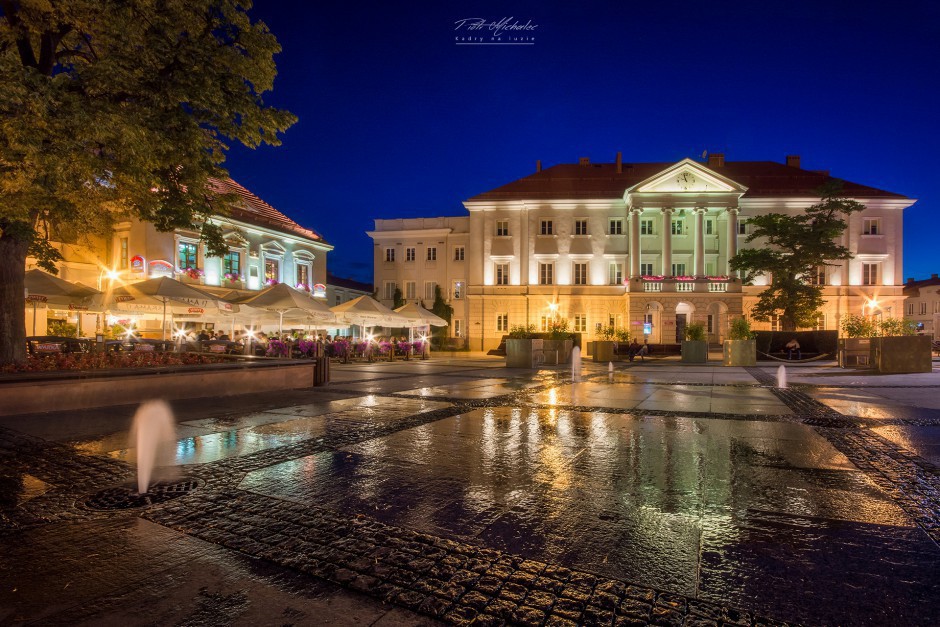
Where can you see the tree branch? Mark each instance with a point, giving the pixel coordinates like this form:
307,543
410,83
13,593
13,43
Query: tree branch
27,56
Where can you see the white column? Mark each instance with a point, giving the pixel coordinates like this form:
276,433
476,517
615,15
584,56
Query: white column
667,241
732,237
699,241
635,242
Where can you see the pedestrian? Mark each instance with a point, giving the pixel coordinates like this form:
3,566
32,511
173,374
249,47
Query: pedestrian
644,350
633,349
793,346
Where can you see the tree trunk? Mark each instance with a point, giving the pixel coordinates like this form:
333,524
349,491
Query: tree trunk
12,299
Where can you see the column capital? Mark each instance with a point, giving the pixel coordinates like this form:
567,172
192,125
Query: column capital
700,211
634,211
668,210
732,210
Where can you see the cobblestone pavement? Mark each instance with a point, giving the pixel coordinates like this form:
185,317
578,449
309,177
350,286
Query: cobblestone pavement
798,565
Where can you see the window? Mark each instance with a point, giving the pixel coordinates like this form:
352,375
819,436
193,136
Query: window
303,274
547,228
646,269
337,299
546,273
910,309
742,228
869,274
580,273
389,254
678,226
818,277
678,269
936,306
432,253
458,253
124,256
709,226
458,328
390,290
544,323
187,255
820,323
615,273
502,274
615,226
710,323
775,324
272,270
232,263
923,309
502,228
458,290
429,288
580,227
502,322
871,226
710,268
580,323
410,254
646,226
411,292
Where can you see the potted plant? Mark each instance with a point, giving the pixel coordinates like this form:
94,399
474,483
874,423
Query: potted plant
695,346
604,347
855,347
741,347
232,279
557,346
523,349
897,348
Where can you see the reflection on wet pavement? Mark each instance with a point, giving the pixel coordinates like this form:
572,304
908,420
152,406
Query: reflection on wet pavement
626,497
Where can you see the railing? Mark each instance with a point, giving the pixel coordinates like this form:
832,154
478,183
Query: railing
652,286
717,287
685,287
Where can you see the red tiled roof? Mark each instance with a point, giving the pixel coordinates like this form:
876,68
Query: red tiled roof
601,180
253,210
348,283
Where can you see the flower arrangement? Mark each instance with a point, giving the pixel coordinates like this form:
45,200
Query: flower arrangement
404,348
653,277
303,286
685,277
307,347
360,347
271,281
385,347
193,273
719,278
417,347
340,348
108,361
232,276
277,348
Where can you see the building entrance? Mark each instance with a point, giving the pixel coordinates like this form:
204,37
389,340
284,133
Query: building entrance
680,327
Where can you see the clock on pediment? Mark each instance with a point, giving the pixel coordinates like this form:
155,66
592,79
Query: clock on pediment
686,180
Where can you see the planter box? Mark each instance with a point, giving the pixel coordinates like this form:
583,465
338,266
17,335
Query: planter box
557,351
740,353
524,353
695,351
604,350
901,354
855,352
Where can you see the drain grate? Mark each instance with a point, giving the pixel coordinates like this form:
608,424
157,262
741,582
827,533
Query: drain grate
126,497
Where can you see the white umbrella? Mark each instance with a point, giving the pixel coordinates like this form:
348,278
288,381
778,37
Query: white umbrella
153,295
366,311
421,317
42,287
282,299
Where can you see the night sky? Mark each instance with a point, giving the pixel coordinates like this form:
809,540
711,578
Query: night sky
397,120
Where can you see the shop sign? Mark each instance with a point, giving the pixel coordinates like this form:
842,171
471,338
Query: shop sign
49,348
137,264
196,310
143,348
161,268
77,307
123,298
36,298
319,290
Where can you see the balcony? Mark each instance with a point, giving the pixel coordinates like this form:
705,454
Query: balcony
685,284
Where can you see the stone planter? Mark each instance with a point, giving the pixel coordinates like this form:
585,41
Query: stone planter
901,354
604,350
854,352
694,351
740,353
557,351
524,353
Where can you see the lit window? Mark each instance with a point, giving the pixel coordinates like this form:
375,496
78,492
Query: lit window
580,323
870,274
502,274
502,228
303,274
709,226
678,226
458,290
502,322
546,273
458,253
580,274
458,328
232,263
124,254
187,255
272,270
615,273
871,226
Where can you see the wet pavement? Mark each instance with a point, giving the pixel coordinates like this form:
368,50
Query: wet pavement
456,490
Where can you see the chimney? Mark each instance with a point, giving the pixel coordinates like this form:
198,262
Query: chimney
619,163
793,161
910,279
538,165
585,161
934,276
716,160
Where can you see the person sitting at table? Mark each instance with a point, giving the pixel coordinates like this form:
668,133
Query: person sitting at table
633,349
223,336
792,346
203,336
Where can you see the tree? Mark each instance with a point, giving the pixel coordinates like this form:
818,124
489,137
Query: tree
118,109
794,248
441,309
397,300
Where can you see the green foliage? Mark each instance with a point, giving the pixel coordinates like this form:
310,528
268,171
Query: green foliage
442,309
792,248
521,332
111,110
397,300
865,326
62,328
622,335
695,332
859,326
558,330
608,333
897,326
740,329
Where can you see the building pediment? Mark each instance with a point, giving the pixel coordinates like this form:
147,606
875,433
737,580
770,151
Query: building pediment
687,177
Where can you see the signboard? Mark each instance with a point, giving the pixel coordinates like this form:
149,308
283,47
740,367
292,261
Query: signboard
319,290
161,268
196,310
137,264
36,298
123,298
143,348
217,348
77,307
647,328
52,347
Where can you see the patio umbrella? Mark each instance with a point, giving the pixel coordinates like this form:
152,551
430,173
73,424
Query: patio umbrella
421,317
160,293
366,311
42,287
282,299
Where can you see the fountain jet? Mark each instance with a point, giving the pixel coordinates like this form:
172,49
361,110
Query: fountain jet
153,434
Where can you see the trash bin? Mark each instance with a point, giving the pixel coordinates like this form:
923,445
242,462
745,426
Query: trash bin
321,371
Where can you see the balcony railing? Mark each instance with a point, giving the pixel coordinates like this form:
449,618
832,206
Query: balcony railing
685,287
652,286
717,287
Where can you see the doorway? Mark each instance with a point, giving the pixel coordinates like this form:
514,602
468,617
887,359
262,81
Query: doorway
680,327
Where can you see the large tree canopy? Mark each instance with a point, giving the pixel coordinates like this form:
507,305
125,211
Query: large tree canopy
793,248
119,108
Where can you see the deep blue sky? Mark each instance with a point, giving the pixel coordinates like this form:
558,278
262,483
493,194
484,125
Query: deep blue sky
396,120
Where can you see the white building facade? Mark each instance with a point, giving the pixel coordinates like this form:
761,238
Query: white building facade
645,247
